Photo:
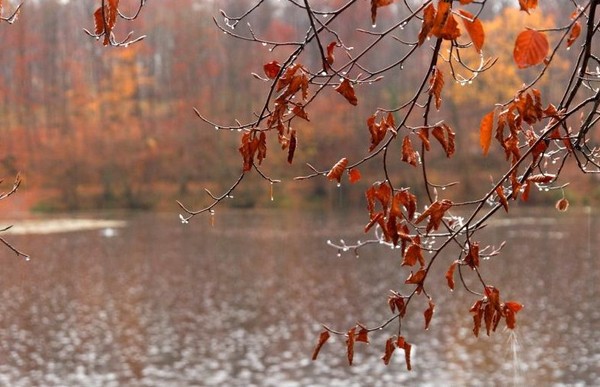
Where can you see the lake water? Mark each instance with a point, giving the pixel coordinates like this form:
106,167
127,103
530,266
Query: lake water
147,301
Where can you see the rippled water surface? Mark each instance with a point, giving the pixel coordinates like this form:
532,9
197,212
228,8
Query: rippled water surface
153,302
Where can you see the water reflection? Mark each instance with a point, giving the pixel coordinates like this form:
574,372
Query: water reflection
160,303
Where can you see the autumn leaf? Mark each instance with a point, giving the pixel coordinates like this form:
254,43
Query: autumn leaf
575,32
292,146
527,5
396,302
472,258
272,69
477,311
435,212
436,83
261,153
379,130
409,155
510,310
445,137
441,17
345,88
417,279
350,339
413,254
502,198
450,274
428,21
354,175
485,132
322,339
376,4
337,170
363,334
402,343
450,30
300,112
531,48
562,205
474,28
428,314
389,350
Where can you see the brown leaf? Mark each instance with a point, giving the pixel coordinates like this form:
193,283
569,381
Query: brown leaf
575,32
502,198
450,31
351,338
389,350
485,132
401,343
345,88
300,112
322,339
477,311
428,22
472,258
436,84
445,137
435,212
417,279
330,57
429,314
261,153
363,334
379,130
531,48
562,205
337,170
396,302
450,274
413,255
272,69
292,146
488,316
441,17
474,28
409,155
354,175
376,4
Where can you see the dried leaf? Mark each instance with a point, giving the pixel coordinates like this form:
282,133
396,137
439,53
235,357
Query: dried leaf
337,170
441,17
300,112
436,84
428,22
376,4
322,339
417,279
472,258
435,212
413,255
450,31
474,28
389,350
531,48
450,274
445,137
261,153
428,314
401,343
350,339
354,175
272,69
575,32
363,334
502,198
396,302
562,205
292,146
409,155
345,88
330,57
485,132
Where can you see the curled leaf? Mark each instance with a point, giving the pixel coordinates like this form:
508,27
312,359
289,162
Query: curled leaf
345,88
376,4
562,205
450,274
436,84
337,170
354,175
428,314
272,69
389,350
322,339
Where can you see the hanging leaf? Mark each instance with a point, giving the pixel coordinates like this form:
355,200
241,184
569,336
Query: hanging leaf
562,205
428,22
376,4
323,337
417,279
450,274
528,5
354,175
330,57
436,83
510,310
531,48
441,17
413,254
272,69
450,30
428,314
337,170
474,28
389,350
300,112
401,343
292,146
435,212
363,334
445,136
477,311
485,132
350,339
409,155
261,153
345,88
472,258
575,32
396,302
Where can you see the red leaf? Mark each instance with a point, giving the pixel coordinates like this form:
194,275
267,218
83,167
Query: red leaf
322,339
330,57
272,69
376,4
337,170
527,5
413,255
435,212
485,132
417,279
363,335
261,147
389,350
354,175
450,31
409,155
428,22
531,48
445,137
502,198
292,146
429,314
562,205
436,84
300,112
450,274
443,13
401,343
472,258
575,32
474,29
345,88
351,338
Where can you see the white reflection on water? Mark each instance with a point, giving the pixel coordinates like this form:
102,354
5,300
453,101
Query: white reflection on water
239,304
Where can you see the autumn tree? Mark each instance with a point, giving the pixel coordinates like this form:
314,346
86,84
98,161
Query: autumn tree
537,134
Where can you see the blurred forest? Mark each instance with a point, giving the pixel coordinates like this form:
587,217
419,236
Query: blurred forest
90,127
